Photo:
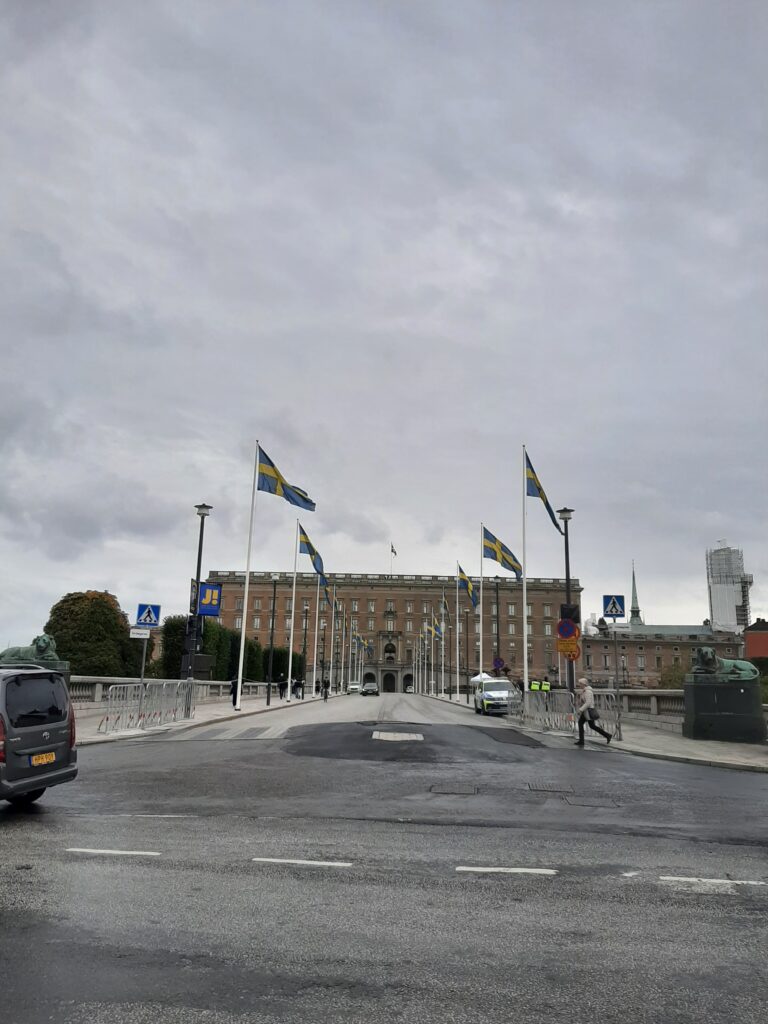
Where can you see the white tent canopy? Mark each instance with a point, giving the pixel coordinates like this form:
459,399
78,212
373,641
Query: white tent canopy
483,677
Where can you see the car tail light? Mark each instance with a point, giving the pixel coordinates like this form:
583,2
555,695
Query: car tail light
72,728
2,740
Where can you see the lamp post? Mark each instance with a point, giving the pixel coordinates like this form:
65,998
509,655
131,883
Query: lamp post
565,515
466,651
271,639
322,659
304,656
193,623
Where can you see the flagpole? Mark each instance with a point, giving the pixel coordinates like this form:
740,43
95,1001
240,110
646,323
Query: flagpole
293,609
333,636
349,671
314,652
391,559
244,622
481,602
525,601
456,628
442,646
343,643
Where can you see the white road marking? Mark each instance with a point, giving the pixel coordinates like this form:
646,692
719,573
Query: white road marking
708,881
305,863
508,871
396,737
115,853
154,815
629,874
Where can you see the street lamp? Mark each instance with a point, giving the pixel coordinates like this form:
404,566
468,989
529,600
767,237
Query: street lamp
304,655
565,515
275,578
193,623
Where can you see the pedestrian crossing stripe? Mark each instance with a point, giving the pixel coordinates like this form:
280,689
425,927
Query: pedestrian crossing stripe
614,606
148,615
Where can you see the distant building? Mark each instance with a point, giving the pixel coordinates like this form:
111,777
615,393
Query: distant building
646,651
728,587
756,640
391,611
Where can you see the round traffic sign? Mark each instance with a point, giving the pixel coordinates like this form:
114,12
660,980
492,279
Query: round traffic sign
573,655
498,663
566,629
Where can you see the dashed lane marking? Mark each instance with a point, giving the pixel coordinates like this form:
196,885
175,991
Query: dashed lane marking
507,871
708,881
398,737
303,863
114,853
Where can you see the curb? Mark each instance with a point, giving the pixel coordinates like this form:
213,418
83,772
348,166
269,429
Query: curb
133,734
653,754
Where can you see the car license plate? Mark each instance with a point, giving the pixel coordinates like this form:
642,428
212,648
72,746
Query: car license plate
37,759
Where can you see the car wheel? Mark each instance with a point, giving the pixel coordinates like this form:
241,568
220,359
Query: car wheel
25,799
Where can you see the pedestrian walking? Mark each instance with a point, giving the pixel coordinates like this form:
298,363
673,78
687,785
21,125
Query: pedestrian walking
588,713
326,689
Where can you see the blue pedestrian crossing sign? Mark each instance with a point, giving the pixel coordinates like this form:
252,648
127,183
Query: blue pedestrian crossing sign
148,615
613,606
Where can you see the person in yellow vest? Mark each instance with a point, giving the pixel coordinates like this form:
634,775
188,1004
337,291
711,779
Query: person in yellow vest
545,686
534,686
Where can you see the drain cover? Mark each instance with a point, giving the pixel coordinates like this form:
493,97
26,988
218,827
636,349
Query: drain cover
455,789
550,787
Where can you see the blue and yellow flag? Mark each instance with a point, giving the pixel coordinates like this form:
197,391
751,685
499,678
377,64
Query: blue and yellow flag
436,629
466,583
306,547
273,481
534,490
493,548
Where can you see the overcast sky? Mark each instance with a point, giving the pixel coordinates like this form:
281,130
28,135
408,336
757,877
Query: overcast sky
394,241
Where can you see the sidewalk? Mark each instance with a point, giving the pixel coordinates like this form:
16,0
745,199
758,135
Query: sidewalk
88,718
645,741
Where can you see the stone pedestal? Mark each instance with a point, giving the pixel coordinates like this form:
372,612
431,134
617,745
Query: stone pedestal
716,710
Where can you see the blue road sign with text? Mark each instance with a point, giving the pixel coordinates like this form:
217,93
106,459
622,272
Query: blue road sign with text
613,606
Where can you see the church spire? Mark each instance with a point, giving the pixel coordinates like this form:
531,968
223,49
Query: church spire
635,618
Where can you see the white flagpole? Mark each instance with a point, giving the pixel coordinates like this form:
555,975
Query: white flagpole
525,597
391,559
293,609
247,581
442,646
432,651
343,644
482,552
314,652
349,671
333,635
456,629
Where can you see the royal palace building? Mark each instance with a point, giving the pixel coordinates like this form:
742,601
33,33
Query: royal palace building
391,612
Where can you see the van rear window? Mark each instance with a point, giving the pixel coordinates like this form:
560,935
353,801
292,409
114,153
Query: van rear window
35,700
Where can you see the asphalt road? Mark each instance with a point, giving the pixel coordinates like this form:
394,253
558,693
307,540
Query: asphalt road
632,890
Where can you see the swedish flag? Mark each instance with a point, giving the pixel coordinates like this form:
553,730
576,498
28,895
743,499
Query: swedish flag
436,630
493,548
273,481
534,489
306,547
466,583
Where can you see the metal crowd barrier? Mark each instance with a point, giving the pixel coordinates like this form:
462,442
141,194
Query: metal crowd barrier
124,702
609,710
551,711
136,706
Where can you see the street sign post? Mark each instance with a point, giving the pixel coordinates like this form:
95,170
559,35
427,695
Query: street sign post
147,619
567,629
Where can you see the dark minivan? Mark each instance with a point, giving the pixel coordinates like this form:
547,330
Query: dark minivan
37,733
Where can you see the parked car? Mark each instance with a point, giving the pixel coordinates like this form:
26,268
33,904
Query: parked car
409,688
369,690
37,733
353,687
492,696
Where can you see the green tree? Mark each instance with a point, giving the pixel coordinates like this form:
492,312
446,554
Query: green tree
92,633
672,677
173,633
